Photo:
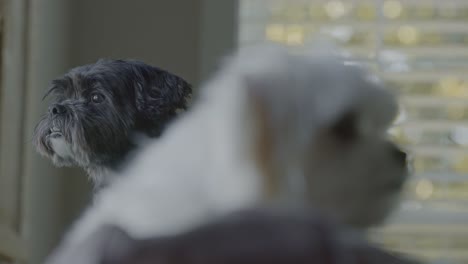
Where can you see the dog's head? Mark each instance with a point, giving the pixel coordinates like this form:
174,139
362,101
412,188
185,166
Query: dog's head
97,108
319,131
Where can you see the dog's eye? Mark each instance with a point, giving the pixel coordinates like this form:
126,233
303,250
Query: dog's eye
97,98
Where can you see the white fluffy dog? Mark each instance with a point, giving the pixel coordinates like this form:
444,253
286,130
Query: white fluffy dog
269,129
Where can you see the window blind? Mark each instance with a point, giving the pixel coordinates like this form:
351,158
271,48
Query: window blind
420,49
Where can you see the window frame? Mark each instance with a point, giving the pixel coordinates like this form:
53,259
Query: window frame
14,22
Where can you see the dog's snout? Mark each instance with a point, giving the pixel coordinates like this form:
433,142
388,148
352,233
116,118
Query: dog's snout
58,109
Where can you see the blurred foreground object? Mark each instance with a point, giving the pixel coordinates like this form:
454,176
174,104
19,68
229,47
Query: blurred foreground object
420,50
255,236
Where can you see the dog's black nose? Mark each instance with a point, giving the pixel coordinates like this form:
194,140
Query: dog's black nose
58,109
399,155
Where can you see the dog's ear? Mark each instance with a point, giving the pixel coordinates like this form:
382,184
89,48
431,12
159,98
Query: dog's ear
263,137
159,96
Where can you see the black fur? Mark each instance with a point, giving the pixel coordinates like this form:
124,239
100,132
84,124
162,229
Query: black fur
132,97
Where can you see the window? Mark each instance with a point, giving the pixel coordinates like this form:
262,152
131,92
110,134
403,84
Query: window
420,48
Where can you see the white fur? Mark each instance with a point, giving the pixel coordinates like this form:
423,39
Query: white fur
61,148
203,166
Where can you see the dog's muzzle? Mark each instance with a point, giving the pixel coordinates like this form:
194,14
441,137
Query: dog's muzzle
57,115
57,109
55,132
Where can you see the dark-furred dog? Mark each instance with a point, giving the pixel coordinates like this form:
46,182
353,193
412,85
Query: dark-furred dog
100,111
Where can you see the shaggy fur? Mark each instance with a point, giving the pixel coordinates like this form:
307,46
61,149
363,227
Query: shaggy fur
98,110
270,129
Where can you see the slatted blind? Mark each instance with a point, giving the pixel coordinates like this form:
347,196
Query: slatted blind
420,48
